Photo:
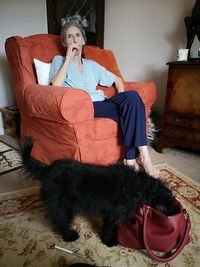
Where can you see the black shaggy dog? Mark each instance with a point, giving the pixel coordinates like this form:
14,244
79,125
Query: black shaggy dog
113,192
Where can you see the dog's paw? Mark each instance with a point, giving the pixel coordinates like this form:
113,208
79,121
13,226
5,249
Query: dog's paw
70,236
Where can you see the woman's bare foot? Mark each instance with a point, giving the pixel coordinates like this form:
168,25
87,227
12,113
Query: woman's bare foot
148,167
145,161
132,163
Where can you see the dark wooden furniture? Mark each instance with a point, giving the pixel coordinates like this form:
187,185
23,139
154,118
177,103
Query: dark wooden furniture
182,107
11,121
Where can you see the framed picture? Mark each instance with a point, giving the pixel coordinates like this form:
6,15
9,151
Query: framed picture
91,11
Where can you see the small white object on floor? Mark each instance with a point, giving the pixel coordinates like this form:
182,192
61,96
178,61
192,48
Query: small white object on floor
68,251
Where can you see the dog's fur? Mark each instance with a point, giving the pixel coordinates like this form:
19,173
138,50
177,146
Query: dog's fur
113,192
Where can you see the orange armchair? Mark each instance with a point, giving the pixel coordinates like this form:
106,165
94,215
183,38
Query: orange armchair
60,119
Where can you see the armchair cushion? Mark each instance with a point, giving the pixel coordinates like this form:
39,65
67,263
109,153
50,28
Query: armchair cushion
42,71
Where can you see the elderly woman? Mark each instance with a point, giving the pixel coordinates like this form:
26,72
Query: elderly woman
126,108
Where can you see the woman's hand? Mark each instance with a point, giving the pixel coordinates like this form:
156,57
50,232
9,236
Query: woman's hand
73,50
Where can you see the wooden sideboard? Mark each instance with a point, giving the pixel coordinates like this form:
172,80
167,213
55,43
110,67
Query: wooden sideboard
182,106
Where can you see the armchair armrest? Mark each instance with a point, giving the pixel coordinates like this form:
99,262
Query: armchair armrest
57,103
146,90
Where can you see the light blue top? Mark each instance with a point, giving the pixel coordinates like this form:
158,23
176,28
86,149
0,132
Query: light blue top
93,74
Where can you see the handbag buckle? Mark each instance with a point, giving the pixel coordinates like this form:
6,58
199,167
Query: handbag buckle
146,210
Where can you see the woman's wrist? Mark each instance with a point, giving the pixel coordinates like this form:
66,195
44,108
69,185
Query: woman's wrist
119,85
67,59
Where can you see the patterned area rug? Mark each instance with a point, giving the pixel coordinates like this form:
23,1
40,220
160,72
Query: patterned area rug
9,158
27,238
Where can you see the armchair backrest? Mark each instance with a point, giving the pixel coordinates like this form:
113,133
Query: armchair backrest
22,50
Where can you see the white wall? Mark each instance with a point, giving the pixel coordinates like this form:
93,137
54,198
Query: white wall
17,17
145,35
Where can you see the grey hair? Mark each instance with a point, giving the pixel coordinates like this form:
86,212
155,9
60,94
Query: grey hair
66,26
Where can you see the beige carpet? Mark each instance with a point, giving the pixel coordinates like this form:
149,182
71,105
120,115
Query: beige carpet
27,238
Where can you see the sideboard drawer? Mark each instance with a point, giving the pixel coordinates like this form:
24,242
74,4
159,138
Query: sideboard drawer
183,134
184,121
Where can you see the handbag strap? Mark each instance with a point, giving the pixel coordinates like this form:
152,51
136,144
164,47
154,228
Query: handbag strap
170,255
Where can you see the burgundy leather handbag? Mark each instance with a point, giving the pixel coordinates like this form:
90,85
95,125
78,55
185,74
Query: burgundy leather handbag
154,231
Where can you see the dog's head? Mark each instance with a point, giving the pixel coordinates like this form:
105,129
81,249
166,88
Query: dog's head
166,205
163,199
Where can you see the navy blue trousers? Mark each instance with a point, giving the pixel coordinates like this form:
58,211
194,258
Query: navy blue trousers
126,108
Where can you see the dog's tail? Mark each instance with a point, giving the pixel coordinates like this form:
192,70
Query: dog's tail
35,168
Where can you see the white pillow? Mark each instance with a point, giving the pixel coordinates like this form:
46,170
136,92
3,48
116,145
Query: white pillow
42,70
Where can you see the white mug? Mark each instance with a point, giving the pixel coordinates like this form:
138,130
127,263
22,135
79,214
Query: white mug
182,54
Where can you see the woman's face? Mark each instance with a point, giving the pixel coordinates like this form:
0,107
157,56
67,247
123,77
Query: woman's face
74,36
